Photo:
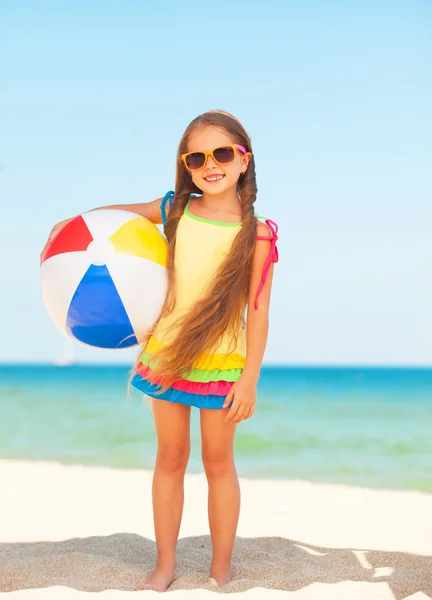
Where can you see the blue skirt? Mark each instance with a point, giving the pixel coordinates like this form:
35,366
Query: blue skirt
177,396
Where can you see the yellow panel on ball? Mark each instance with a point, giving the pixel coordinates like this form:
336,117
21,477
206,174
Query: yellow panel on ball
140,237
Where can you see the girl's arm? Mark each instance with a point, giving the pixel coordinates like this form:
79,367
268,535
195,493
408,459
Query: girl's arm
243,392
149,210
257,321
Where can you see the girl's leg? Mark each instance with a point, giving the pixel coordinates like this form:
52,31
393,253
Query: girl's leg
224,490
172,423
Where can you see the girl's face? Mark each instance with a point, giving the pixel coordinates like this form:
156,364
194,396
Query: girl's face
214,178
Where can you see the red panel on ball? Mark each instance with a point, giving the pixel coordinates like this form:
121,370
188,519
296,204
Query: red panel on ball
74,237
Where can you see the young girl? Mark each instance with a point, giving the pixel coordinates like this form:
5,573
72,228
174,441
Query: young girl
201,352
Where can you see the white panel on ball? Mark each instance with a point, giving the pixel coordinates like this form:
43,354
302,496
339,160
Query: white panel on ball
60,276
150,283
103,223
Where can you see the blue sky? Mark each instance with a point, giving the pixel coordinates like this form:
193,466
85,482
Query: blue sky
336,97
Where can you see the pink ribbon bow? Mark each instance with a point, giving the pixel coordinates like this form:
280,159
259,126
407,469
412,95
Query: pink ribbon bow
273,255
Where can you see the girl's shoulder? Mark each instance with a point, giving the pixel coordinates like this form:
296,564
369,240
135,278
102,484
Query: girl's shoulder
262,229
267,230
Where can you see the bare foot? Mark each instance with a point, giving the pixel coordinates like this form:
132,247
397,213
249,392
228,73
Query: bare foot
222,575
162,578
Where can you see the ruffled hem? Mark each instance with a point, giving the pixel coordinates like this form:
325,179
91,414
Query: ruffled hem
199,375
216,388
177,396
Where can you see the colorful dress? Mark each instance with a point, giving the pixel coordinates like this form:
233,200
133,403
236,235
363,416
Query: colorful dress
201,246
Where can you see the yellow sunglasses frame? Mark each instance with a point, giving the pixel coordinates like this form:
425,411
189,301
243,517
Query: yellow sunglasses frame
207,153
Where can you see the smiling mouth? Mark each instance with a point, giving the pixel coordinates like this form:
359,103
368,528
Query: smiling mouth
214,178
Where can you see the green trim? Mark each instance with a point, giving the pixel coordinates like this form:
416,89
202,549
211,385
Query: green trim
223,223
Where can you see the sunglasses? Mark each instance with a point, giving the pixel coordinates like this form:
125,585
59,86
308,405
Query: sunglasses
224,155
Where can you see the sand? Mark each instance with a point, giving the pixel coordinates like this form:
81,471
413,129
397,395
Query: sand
72,532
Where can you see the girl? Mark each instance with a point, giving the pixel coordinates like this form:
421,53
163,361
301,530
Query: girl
202,353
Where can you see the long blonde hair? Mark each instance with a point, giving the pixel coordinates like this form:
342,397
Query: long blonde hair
223,307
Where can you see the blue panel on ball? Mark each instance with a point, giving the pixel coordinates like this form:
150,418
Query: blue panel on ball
96,313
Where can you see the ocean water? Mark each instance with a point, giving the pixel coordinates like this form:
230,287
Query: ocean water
357,426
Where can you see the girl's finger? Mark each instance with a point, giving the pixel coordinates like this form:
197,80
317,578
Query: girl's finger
45,248
248,413
232,412
228,398
42,254
239,414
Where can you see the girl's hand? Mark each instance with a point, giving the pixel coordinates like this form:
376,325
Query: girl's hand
54,231
243,395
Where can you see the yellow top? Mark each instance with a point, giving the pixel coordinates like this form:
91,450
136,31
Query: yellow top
201,246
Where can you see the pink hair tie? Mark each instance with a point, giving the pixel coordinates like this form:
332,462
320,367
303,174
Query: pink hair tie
273,256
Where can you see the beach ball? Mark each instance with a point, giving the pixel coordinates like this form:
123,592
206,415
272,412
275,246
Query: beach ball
104,279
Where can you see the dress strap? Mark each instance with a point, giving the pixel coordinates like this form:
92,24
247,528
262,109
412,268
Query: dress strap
273,255
168,196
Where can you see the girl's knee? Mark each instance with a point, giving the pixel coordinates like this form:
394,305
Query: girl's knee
218,463
172,458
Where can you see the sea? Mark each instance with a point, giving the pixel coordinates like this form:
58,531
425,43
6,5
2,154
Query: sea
363,426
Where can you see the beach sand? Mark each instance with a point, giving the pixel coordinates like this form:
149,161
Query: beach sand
72,532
